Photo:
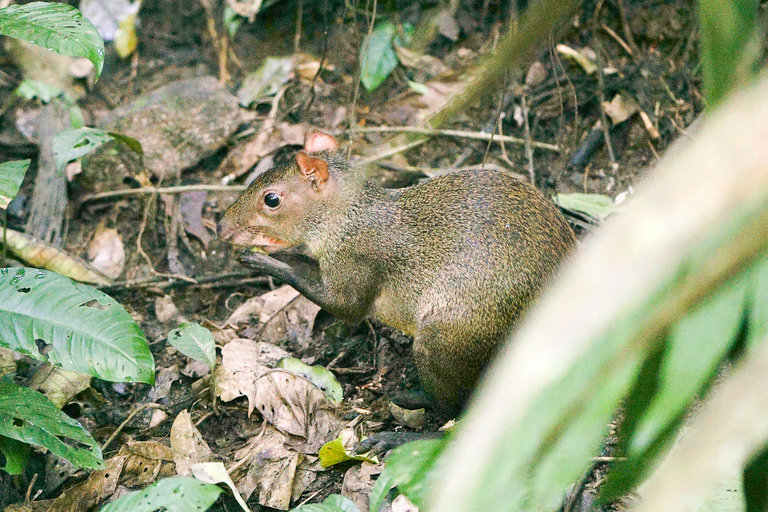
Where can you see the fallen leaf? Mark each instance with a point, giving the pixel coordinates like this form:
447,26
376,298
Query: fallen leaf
216,473
145,462
584,58
165,310
58,384
99,485
192,214
264,306
621,108
358,483
187,444
165,378
106,252
268,467
242,362
414,419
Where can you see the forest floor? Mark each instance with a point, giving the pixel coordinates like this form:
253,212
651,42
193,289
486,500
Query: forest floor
174,270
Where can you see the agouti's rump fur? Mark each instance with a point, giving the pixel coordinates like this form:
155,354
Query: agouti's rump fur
453,261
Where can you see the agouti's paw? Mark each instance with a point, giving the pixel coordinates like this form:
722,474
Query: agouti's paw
255,259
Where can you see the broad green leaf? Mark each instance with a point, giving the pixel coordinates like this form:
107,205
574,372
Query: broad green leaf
177,494
195,341
317,375
16,455
31,89
758,318
11,176
28,416
377,55
408,468
333,503
55,26
72,144
731,37
49,317
596,206
333,452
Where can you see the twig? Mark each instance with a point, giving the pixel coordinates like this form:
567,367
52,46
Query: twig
601,98
127,420
162,190
390,152
297,37
618,39
28,495
625,26
203,283
528,145
456,133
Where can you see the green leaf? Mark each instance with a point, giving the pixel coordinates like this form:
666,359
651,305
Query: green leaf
758,317
317,375
11,176
333,503
377,55
72,144
177,494
408,468
49,317
417,87
31,89
28,416
16,455
195,341
55,26
731,36
266,80
596,206
132,143
333,452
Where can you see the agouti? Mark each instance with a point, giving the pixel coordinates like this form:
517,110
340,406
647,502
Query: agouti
453,261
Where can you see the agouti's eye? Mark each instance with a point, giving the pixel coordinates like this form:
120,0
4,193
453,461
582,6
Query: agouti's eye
272,200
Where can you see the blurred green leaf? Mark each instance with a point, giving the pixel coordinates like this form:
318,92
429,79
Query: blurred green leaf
409,467
11,175
55,26
731,36
333,503
265,81
16,455
72,144
596,206
176,494
29,417
377,54
31,89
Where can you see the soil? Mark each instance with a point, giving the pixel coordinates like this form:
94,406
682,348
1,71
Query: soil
658,67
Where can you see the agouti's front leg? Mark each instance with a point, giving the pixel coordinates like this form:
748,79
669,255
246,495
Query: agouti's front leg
307,280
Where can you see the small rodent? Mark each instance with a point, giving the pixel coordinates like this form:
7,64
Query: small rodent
453,261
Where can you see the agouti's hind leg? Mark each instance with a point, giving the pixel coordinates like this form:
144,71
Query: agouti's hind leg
449,360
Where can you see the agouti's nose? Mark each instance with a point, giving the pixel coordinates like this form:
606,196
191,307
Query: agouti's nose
225,230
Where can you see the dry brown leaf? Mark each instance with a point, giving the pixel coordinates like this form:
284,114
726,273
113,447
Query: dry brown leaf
42,255
187,444
165,310
7,361
358,483
192,214
537,73
293,322
412,418
165,378
145,462
216,473
620,108
30,506
306,473
59,385
100,485
242,158
107,253
270,469
242,362
264,306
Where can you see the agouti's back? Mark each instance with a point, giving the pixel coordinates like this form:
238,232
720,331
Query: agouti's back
472,251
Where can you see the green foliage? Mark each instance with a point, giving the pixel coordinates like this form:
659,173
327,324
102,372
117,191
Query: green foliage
16,455
11,176
597,206
409,468
29,417
57,27
317,375
377,55
49,317
195,341
731,45
333,452
31,89
72,144
177,494
333,503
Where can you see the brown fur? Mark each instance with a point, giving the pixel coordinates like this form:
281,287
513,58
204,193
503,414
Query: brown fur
453,261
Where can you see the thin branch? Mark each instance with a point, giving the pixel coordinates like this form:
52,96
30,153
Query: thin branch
162,190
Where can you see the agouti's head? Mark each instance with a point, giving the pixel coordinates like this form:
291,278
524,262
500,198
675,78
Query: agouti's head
285,205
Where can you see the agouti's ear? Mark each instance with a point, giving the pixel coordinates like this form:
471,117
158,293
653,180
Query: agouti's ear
319,141
314,169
